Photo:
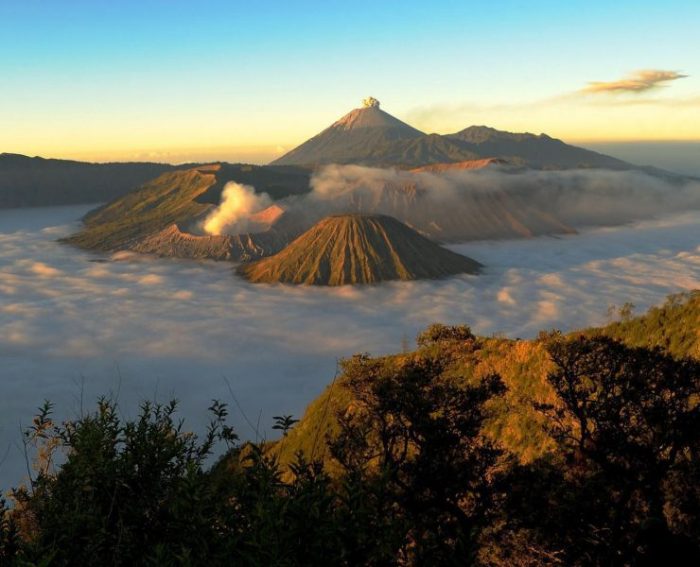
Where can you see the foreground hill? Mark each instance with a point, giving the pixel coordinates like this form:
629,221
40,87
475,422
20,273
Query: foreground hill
673,326
358,249
413,475
370,136
522,364
38,182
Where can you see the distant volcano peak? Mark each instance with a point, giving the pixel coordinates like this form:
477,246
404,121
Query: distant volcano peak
372,137
371,116
355,138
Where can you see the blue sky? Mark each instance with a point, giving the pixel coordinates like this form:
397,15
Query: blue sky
119,79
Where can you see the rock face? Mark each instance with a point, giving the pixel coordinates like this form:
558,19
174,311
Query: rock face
358,249
176,243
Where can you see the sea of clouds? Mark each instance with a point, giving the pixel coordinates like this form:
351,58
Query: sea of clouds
75,325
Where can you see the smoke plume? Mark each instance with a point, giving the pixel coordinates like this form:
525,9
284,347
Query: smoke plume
238,203
464,205
461,205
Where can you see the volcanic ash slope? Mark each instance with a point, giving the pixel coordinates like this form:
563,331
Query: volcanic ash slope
358,249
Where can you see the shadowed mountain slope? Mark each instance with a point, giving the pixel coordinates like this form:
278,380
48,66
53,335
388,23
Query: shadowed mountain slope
358,249
466,215
38,182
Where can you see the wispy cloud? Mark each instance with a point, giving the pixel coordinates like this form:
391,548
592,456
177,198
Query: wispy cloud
637,82
672,102
637,89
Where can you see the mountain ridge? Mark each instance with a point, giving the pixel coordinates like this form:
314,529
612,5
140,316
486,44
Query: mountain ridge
36,181
372,137
142,219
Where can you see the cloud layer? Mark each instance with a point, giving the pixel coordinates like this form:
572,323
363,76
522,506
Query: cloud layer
76,325
637,82
462,205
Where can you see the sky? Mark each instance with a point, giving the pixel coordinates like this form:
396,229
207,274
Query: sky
245,81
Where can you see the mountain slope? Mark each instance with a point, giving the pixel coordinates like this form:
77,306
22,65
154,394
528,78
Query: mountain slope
456,215
153,214
174,242
467,165
358,249
38,182
523,365
370,136
535,151
355,138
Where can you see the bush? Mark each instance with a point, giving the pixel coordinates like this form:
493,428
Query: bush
438,333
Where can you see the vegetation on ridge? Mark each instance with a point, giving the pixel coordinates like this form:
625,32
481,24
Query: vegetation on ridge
523,365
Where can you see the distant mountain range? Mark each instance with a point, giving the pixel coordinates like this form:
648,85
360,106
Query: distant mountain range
365,136
370,136
38,182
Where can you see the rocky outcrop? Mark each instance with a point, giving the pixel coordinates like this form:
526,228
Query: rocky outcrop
174,242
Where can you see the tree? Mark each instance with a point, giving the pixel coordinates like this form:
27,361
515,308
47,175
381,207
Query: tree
126,491
412,443
626,420
10,541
